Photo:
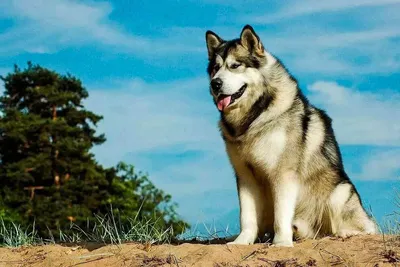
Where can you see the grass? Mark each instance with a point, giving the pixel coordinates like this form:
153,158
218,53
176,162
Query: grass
391,227
106,229
204,232
109,230
12,235
391,224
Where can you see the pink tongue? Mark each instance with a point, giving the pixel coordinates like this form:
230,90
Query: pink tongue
224,102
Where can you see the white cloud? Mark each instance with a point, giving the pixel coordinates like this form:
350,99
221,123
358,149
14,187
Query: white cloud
309,47
360,117
211,172
381,165
169,118
46,26
308,7
49,26
155,115
63,22
322,40
313,50
313,39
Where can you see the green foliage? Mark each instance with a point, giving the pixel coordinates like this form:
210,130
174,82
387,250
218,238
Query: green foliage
147,203
47,172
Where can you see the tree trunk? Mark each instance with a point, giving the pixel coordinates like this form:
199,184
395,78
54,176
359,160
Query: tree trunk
55,154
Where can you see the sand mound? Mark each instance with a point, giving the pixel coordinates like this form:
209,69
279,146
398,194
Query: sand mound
355,251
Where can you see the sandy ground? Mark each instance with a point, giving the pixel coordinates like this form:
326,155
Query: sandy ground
354,251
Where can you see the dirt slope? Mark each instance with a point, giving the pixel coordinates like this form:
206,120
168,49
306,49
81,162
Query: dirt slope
355,251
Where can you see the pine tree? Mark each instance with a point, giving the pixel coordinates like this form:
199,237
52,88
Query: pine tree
47,172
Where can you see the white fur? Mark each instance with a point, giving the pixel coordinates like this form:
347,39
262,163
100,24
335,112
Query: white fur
337,200
219,60
265,153
268,149
271,60
285,192
339,196
303,228
250,199
342,228
315,137
233,80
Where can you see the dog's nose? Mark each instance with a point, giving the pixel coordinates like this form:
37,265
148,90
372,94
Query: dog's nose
216,85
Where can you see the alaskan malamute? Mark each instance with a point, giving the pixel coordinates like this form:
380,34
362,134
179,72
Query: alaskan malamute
290,177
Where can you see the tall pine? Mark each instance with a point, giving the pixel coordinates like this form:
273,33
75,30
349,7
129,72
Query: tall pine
47,173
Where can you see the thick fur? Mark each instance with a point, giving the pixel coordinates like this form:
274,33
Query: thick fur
290,177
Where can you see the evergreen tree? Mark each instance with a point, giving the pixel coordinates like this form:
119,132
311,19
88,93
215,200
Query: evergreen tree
47,173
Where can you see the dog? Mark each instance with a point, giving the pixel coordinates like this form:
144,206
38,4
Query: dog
290,177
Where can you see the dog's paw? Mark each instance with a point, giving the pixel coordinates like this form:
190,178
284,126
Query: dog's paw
238,243
282,242
243,239
346,233
288,244
241,242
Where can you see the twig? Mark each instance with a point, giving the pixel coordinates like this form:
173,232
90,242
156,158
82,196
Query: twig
248,256
80,263
279,262
176,261
94,255
228,248
316,233
318,242
330,253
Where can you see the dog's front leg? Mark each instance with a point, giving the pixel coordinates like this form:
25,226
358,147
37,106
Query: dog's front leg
284,192
250,199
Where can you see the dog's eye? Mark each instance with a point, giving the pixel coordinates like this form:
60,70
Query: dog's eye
216,67
235,65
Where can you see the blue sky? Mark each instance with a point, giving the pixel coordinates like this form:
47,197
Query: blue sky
144,63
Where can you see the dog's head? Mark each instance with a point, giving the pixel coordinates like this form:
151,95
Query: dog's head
234,67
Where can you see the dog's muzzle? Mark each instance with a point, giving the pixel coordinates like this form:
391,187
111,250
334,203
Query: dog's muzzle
223,101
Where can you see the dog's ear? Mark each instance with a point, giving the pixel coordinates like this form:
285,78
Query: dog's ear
250,40
213,41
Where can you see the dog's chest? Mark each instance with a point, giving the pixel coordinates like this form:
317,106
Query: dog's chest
264,150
